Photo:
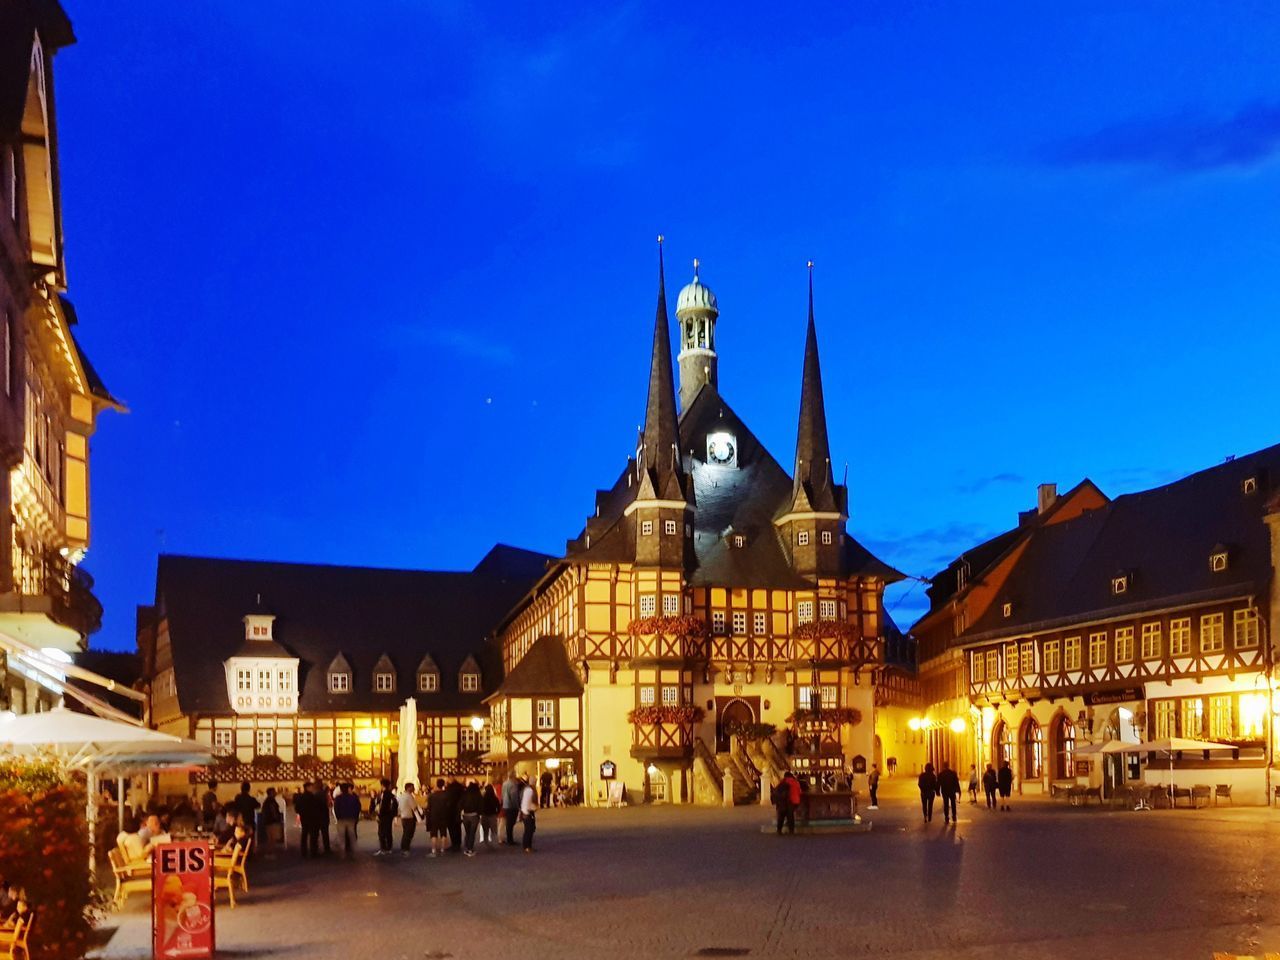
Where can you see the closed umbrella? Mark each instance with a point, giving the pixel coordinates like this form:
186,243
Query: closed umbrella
409,742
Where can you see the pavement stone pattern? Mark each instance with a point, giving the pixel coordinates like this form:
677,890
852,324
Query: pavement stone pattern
1042,881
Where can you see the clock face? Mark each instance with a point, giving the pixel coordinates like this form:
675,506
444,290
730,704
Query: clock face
720,448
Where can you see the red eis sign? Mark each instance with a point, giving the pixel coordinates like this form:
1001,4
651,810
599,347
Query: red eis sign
182,901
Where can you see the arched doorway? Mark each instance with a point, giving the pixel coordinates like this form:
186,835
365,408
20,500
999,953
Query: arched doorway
733,714
1064,748
1032,750
1001,745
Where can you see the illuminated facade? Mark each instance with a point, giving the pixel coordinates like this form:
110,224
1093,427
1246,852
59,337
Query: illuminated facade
50,395
1094,620
709,592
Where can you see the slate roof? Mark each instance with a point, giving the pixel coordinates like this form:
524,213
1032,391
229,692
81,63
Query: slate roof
1161,538
814,487
359,613
661,476
19,21
544,669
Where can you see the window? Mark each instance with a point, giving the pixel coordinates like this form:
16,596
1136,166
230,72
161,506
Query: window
739,622
1124,644
976,670
804,611
547,711
1244,629
264,681
670,527
1193,718
1250,484
1097,649
1166,719
646,696
339,683
802,538
1119,584
428,682
306,743
1211,633
993,664
1011,660
739,540
826,609
646,528
284,681
264,743
223,742
1052,656
670,696
1180,636
826,536
1071,653
648,605
1028,658
828,693
1007,610
1218,561
384,682
473,741
761,623
342,742
1221,721
717,622
671,604
244,680
1150,641
470,682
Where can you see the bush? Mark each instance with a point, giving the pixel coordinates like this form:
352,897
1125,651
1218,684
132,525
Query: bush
44,848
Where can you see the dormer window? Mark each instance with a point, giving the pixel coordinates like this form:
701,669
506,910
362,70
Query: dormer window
826,536
670,527
1218,561
1007,610
384,682
339,683
428,682
470,682
646,528
1250,485
802,538
739,540
1120,584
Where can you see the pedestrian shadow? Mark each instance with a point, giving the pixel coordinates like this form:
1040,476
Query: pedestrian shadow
941,866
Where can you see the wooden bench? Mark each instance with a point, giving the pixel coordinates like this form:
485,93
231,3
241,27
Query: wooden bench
13,940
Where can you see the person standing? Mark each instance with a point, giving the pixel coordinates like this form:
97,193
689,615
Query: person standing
407,808
454,792
308,808
209,806
324,813
347,809
949,787
246,805
545,781
989,784
873,785
973,784
528,815
470,805
928,784
785,801
1005,781
271,819
438,817
490,807
511,806
386,808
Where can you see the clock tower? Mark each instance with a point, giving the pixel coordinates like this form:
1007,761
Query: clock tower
696,310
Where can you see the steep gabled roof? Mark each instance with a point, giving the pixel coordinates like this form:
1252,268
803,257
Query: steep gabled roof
814,486
544,670
660,472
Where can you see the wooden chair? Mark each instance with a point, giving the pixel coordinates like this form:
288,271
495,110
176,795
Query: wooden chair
130,877
235,865
1222,790
225,872
1201,794
13,940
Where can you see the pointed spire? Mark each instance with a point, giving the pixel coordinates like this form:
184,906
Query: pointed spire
814,487
661,433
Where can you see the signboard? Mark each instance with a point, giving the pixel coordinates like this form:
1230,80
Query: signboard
608,770
182,900
1113,696
859,764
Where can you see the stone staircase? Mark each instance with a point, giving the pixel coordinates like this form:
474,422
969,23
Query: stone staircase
746,778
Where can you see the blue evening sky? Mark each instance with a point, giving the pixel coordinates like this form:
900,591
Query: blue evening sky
378,286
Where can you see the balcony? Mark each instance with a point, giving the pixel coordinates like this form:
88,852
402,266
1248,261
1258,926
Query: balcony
51,603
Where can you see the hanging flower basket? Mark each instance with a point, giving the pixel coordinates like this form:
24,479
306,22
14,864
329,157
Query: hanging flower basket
825,630
750,731
838,716
682,626
661,714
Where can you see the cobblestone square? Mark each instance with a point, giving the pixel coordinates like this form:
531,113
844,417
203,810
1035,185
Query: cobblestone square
1042,881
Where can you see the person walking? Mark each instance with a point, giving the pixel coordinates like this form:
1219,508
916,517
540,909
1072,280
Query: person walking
407,809
949,787
438,817
470,805
528,815
347,809
786,797
490,807
989,783
928,784
1004,779
511,807
385,809
873,785
973,784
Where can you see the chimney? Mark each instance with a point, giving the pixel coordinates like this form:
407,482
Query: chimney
1046,496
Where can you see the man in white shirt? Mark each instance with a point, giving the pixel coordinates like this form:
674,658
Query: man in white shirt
407,803
528,813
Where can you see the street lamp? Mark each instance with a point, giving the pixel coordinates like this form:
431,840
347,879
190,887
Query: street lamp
477,724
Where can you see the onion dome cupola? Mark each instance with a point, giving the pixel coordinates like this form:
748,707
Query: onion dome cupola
697,312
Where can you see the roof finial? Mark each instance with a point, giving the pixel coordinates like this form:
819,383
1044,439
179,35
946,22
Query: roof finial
810,266
695,269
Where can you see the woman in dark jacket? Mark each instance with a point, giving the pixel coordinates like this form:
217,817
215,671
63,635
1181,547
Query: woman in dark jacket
490,809
1005,781
928,784
989,783
470,805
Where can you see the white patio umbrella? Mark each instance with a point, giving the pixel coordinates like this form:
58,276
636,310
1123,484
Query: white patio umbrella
98,747
408,742
1166,745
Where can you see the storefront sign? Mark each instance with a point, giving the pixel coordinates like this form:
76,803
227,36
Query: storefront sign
182,901
608,770
1099,697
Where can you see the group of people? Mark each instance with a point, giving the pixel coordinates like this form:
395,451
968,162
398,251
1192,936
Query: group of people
13,905
454,814
946,783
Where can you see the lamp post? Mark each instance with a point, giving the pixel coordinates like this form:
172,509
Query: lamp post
815,707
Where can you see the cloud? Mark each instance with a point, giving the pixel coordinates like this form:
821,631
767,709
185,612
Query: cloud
1129,479
466,343
982,483
1187,142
